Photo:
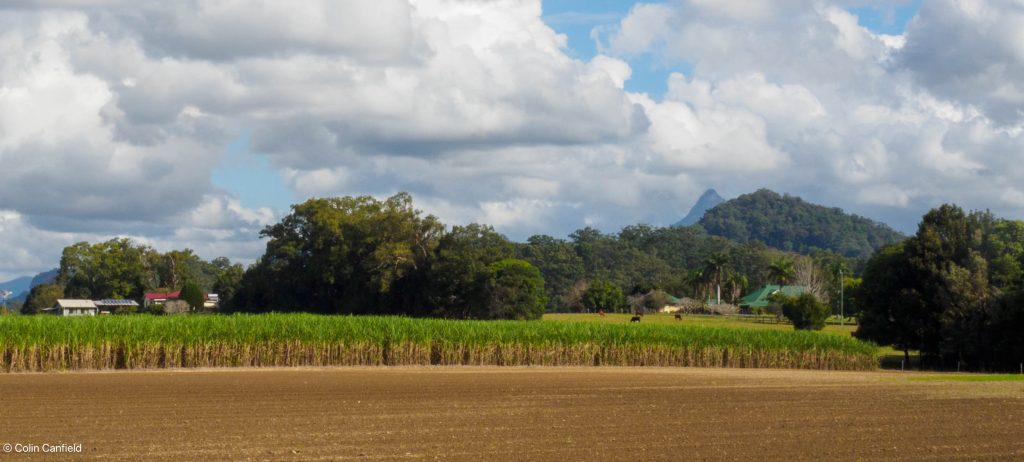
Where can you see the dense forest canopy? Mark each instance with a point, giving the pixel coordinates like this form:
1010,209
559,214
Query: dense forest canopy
789,223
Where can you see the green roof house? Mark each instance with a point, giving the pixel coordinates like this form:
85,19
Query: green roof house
759,297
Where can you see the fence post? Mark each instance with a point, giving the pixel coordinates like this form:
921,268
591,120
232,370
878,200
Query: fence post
901,366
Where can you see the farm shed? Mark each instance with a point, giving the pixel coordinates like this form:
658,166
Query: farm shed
73,307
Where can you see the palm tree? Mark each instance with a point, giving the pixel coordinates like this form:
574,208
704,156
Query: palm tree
781,271
693,280
736,283
715,268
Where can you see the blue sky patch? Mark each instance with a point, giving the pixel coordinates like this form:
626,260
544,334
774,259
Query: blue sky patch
250,177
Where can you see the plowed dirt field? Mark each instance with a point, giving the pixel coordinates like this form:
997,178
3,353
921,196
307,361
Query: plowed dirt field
551,414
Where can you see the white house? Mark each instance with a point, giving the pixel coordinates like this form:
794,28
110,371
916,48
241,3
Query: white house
74,307
211,302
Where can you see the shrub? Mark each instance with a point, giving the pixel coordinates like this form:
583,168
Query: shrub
603,295
805,312
723,309
655,300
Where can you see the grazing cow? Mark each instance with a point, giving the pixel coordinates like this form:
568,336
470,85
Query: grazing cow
635,318
679,317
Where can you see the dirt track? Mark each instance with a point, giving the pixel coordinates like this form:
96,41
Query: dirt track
511,414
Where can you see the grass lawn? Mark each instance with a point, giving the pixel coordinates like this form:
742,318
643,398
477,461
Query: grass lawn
698,320
971,378
889,357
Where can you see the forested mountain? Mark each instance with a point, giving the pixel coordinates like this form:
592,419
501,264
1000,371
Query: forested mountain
790,223
707,201
46,277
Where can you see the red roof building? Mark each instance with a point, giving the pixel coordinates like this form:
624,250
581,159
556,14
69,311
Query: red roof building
162,296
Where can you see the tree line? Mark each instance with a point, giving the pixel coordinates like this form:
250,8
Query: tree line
361,255
123,269
954,292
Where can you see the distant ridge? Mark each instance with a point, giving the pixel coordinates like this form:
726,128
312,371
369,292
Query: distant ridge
17,286
792,224
21,286
707,201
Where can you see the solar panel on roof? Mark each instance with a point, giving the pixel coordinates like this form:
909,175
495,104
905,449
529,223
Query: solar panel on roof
117,302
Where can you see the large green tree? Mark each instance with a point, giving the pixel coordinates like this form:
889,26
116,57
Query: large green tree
938,293
805,311
458,278
515,291
603,295
558,261
193,295
894,311
343,255
227,284
118,268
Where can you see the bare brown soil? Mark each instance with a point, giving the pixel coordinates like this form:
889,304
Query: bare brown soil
553,414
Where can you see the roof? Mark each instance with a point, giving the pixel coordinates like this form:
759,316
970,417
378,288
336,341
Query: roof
759,297
75,303
116,302
163,295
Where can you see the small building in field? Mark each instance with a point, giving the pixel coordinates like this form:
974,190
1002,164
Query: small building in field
73,307
176,307
211,302
672,304
761,298
173,303
159,298
115,305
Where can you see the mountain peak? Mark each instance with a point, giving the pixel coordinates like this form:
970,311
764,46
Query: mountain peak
793,224
707,201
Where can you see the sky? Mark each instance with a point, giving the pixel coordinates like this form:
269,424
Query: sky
197,123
